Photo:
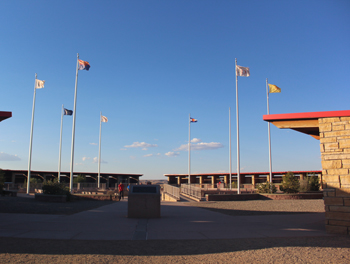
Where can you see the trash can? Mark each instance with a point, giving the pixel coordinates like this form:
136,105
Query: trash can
144,201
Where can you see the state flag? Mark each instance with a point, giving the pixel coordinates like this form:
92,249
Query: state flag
274,88
242,71
68,112
83,65
104,119
39,84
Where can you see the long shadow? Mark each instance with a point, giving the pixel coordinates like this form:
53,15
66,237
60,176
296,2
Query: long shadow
20,205
162,247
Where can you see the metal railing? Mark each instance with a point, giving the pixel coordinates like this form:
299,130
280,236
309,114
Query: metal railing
191,190
172,190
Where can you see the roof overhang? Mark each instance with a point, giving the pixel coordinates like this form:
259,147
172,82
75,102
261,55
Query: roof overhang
303,122
5,115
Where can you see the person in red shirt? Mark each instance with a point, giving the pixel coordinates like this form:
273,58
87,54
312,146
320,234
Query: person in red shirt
121,190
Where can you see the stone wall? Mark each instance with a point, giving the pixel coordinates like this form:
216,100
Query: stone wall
335,156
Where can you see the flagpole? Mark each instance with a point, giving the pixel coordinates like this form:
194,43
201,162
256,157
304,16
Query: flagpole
237,120
99,154
60,148
73,129
268,124
31,138
229,117
189,149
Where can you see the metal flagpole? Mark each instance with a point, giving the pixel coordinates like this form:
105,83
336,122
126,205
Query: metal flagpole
189,149
99,154
60,150
237,120
73,129
31,138
268,124
229,117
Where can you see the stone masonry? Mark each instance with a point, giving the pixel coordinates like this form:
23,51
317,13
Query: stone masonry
335,156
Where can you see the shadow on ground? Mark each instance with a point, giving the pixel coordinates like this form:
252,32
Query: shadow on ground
162,247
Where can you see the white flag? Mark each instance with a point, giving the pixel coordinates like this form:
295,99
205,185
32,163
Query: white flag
104,119
242,71
39,84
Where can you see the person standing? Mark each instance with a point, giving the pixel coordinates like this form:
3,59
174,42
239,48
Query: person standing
121,190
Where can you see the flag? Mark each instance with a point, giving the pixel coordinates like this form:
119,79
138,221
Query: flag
192,120
68,112
84,65
39,84
104,119
274,89
242,71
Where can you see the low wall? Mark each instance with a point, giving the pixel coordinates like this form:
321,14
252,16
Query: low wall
256,196
103,197
169,198
294,196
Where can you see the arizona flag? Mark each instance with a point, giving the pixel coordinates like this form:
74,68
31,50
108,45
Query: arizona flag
83,65
192,120
242,71
274,88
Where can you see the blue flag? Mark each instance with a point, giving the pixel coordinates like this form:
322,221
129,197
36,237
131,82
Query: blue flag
68,112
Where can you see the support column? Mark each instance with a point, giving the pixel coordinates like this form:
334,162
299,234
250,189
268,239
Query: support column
200,180
335,147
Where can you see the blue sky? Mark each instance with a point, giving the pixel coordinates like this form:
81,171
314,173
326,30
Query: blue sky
155,62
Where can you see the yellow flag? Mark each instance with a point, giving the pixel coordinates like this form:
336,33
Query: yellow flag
274,89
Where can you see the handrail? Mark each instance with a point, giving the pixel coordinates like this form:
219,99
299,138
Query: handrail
172,190
191,190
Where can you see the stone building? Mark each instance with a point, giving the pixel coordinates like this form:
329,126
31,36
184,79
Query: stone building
332,128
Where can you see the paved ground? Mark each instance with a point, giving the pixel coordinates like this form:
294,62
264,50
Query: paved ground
184,234
178,221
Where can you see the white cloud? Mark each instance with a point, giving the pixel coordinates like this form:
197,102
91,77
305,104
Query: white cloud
123,149
201,146
95,160
8,157
148,155
85,158
94,144
142,145
172,154
196,140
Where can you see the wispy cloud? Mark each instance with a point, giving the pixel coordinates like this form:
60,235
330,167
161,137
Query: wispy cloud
85,158
95,160
172,154
8,157
200,146
196,140
142,145
94,144
148,155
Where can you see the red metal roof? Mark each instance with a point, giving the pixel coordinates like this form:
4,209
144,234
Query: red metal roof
242,173
306,115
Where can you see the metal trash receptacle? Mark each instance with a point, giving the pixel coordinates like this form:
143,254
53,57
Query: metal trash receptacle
144,201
